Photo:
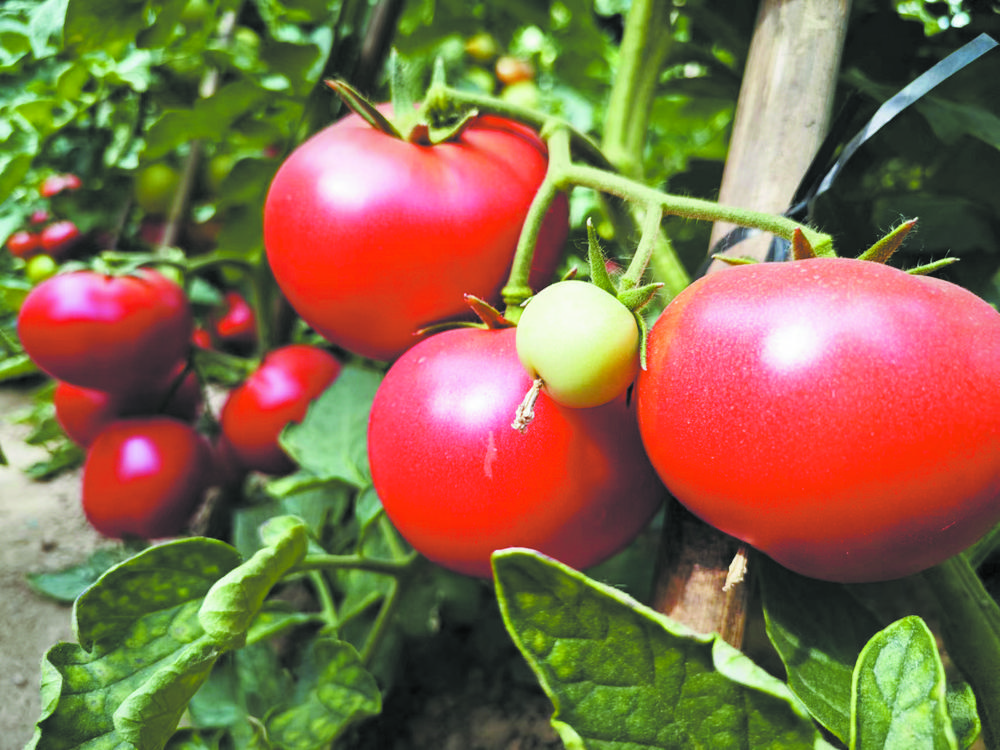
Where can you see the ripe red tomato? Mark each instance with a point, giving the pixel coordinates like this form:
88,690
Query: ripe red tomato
276,393
58,238
839,415
57,183
113,333
236,324
144,477
372,238
24,244
459,482
84,412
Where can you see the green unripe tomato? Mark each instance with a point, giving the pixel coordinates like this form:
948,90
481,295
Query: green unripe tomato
155,187
581,341
40,267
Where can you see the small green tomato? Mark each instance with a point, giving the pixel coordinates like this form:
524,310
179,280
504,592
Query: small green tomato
581,341
40,267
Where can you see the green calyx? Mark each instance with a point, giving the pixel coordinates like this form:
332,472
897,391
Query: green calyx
435,121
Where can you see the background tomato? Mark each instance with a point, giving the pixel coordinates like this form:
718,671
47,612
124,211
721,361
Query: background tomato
459,482
144,477
57,183
276,393
24,244
59,237
113,333
84,412
839,415
372,238
235,325
155,186
40,267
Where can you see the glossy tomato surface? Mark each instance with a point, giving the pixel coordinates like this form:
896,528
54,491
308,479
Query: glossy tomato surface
235,324
24,244
276,393
372,238
84,412
112,333
59,237
839,415
144,477
459,482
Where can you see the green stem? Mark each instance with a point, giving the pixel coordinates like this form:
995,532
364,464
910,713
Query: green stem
355,562
328,608
518,287
970,623
644,48
687,207
644,251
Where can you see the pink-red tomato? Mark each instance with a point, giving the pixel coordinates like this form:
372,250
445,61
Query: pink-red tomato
372,238
144,477
276,393
57,183
39,216
112,333
58,238
236,324
84,412
24,244
459,482
839,415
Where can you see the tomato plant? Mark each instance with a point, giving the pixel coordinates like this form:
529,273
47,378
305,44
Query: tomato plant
858,442
144,477
40,267
373,238
459,482
84,412
279,391
113,333
581,341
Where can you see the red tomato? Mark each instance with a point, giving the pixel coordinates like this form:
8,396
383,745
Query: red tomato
839,415
201,337
236,325
59,238
54,184
84,412
113,333
276,393
144,477
39,216
459,482
24,244
372,238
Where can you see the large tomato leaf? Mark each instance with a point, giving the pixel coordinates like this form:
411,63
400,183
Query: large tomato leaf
144,649
332,691
621,675
331,442
899,697
820,628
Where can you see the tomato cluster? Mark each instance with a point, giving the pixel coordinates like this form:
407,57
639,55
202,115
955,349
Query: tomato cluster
45,235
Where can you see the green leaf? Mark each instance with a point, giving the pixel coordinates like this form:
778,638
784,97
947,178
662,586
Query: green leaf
141,653
331,442
899,698
818,630
333,691
235,599
622,676
105,25
66,584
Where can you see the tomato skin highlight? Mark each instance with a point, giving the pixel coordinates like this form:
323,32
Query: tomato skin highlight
112,333
144,477
276,393
841,416
372,238
459,482
24,244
